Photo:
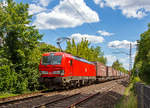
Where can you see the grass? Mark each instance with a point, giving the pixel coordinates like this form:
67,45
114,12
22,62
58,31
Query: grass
5,95
130,99
128,102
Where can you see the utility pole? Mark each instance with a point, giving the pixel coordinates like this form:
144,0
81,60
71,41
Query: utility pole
130,59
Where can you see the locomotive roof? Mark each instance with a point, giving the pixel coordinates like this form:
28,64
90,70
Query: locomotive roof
69,55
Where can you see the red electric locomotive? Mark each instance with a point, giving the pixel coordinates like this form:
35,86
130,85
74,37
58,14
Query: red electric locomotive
60,69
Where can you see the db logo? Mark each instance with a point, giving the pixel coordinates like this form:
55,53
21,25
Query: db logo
85,69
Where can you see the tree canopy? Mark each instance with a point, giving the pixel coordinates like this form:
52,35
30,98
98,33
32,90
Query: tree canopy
118,66
19,41
142,59
84,50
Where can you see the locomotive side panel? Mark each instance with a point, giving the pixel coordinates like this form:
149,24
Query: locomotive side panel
68,66
83,69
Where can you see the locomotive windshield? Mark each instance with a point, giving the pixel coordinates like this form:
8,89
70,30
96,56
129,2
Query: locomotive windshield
51,60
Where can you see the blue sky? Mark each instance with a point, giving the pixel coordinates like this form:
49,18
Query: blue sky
105,23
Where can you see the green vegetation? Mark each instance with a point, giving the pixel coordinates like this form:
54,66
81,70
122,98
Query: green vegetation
141,68
142,60
20,51
118,66
129,99
128,102
4,95
84,50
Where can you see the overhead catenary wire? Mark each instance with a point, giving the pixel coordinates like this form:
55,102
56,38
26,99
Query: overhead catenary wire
129,54
91,27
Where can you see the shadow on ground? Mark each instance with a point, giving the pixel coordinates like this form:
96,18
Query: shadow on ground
106,101
124,83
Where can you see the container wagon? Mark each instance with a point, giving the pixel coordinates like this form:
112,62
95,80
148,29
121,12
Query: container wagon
101,72
109,72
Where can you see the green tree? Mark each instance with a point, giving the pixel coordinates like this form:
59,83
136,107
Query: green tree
142,60
20,39
84,50
118,66
43,47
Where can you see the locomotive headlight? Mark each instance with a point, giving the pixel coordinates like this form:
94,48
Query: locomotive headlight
56,72
61,72
44,72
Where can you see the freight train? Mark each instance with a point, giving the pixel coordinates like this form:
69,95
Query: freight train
62,70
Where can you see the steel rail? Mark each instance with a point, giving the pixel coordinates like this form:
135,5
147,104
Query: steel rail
89,97
82,100
18,100
2,100
54,101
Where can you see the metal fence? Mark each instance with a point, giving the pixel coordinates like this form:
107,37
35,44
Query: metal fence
143,95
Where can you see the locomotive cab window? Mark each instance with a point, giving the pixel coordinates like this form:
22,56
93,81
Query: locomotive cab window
51,60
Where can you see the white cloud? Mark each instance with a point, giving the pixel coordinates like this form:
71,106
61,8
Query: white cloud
99,2
34,9
64,15
44,2
91,38
125,62
129,8
104,33
112,58
3,3
121,44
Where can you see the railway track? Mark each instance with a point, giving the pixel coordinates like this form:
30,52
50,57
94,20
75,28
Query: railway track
25,98
72,101
2,100
79,103
10,102
53,102
60,100
67,101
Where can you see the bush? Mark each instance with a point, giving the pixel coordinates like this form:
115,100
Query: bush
128,102
130,99
8,78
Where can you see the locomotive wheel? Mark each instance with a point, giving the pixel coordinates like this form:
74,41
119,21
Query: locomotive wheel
82,83
78,83
72,85
67,86
89,83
